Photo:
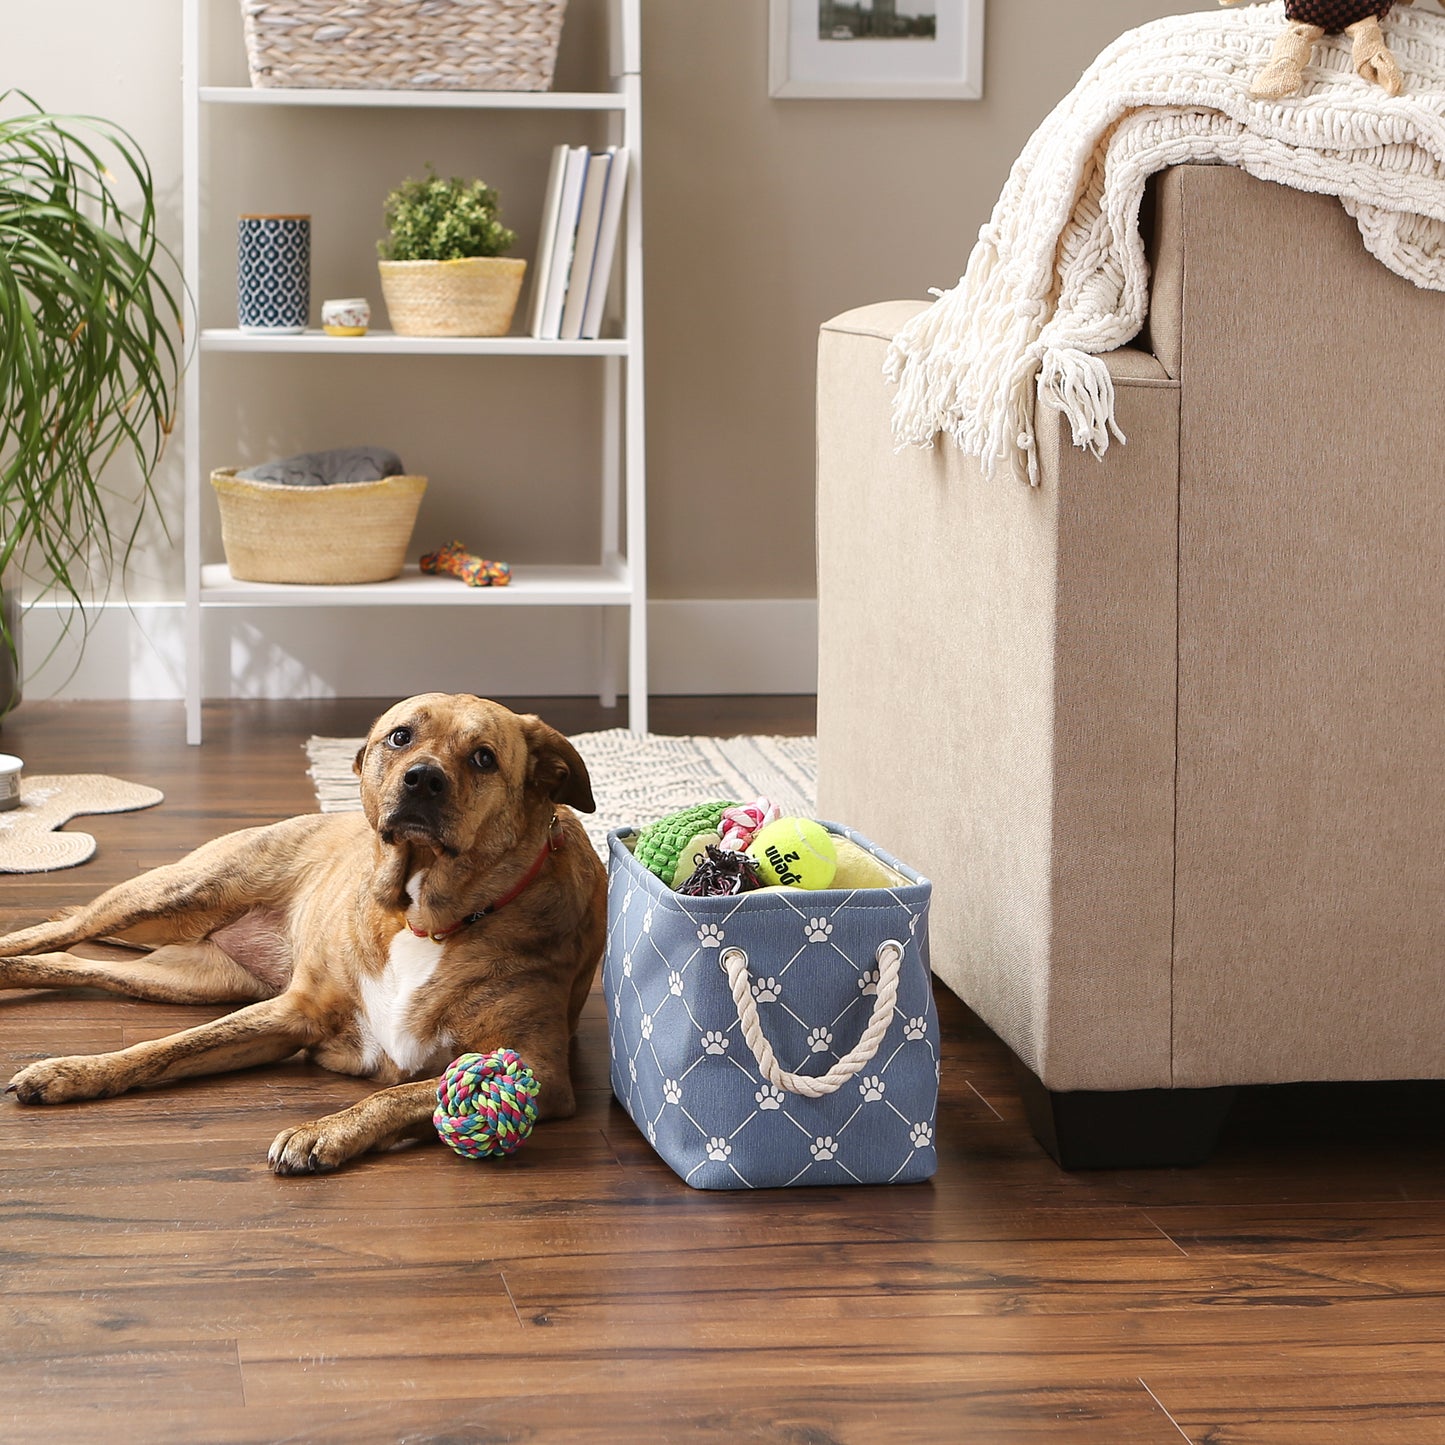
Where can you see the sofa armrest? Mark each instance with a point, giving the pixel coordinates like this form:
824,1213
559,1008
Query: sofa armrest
1039,627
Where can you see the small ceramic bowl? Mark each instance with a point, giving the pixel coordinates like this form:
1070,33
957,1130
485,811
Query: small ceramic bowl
346,318
11,771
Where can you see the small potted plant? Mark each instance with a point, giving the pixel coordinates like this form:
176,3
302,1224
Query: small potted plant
90,358
444,271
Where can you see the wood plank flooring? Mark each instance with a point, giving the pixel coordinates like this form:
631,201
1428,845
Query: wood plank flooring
158,1284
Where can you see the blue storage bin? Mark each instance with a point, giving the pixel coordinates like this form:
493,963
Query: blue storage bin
780,1037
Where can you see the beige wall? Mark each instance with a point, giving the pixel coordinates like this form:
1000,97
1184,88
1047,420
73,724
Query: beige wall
763,218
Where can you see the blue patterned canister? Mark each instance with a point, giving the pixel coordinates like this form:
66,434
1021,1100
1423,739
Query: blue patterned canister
273,273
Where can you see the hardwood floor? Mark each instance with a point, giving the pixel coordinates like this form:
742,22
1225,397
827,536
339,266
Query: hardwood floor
158,1284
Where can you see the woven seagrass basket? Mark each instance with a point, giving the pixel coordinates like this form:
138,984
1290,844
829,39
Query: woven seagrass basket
475,296
403,44
350,532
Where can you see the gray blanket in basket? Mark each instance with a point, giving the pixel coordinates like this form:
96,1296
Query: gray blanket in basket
325,469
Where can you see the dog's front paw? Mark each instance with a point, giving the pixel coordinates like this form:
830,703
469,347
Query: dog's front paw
307,1149
58,1081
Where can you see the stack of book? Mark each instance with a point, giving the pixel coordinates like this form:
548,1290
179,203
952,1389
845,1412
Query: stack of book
577,241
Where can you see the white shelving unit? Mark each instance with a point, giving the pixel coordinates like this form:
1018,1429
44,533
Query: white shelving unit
618,579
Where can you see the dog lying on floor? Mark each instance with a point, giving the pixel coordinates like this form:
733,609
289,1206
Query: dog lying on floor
463,910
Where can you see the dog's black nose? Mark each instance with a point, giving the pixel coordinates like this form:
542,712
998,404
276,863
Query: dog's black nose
425,780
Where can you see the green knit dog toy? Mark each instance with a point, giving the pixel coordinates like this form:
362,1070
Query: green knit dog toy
660,845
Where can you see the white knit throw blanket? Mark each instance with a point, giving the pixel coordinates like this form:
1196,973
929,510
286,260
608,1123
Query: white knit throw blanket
1059,274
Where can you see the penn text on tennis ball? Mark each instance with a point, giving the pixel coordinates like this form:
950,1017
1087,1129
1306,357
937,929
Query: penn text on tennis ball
797,852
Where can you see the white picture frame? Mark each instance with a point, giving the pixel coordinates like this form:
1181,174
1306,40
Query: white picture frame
803,64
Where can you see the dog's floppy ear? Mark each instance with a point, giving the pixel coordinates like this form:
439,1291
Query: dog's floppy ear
557,767
357,760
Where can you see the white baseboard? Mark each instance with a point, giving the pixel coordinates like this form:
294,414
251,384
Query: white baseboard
697,647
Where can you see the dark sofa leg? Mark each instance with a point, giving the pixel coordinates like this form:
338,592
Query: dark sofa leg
1133,1129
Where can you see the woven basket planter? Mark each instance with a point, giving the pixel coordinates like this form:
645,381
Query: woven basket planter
350,532
473,297
403,44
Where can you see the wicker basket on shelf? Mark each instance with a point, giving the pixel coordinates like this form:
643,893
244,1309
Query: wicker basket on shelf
403,44
475,296
348,532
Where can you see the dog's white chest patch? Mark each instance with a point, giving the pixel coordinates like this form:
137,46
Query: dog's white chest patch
387,1005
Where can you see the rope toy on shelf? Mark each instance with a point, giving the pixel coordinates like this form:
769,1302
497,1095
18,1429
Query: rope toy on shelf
473,570
486,1104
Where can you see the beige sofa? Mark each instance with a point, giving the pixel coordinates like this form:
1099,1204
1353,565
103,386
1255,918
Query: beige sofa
1168,731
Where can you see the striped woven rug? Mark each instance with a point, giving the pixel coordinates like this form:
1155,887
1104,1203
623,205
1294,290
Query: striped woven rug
636,777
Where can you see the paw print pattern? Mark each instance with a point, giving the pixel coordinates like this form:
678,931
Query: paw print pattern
819,930
647,920
825,1148
714,1042
871,1088
632,1069
710,935
652,1133
868,983
767,990
921,1135
674,984
671,1091
916,1029
647,1026
719,1150
820,1041
769,1097
627,965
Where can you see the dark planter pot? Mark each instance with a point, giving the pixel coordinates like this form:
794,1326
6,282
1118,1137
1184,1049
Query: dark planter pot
10,661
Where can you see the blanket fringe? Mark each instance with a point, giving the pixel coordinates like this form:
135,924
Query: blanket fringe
1059,275
1079,385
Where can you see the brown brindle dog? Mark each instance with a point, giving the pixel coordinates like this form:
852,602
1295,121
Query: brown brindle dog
463,910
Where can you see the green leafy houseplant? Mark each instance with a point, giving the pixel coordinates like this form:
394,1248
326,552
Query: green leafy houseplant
443,220
89,359
443,267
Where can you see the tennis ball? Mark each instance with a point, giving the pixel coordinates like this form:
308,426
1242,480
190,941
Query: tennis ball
795,851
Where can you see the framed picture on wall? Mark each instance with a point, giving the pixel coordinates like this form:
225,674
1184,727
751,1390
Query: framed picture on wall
876,49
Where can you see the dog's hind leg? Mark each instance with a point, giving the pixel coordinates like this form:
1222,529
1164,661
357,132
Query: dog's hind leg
179,902
260,1034
122,915
175,973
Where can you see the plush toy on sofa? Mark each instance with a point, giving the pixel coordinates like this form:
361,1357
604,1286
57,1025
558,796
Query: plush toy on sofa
1308,21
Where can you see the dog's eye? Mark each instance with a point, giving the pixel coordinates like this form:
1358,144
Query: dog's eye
485,759
398,737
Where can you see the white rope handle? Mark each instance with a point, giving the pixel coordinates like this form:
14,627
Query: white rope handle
814,1086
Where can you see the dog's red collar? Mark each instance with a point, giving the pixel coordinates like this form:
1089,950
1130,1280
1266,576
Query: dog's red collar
552,845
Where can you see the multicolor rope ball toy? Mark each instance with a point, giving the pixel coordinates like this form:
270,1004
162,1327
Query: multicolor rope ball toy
486,1104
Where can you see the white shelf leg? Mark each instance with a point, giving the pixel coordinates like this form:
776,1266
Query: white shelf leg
611,521
635,437
191,272
606,658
